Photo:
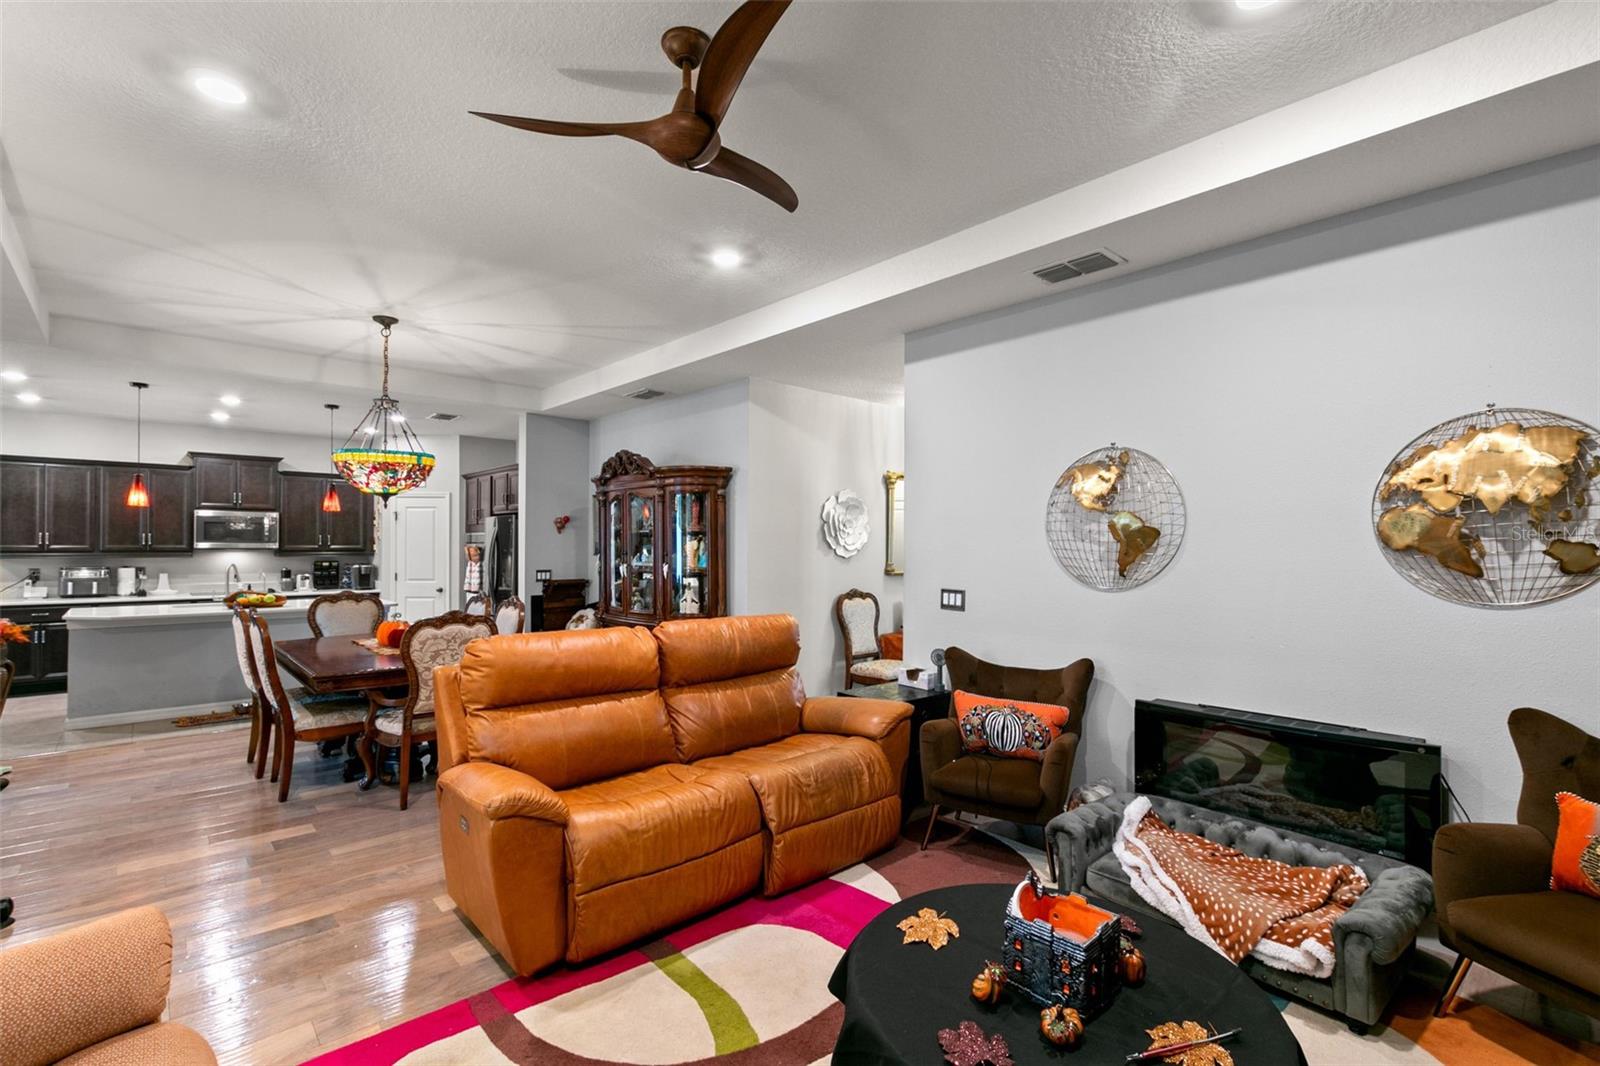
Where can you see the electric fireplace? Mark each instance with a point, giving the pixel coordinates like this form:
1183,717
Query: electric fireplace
1374,791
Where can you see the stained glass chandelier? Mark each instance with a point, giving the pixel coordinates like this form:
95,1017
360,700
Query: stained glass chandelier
382,457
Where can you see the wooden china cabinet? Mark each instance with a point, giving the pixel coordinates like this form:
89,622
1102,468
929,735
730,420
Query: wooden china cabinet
663,540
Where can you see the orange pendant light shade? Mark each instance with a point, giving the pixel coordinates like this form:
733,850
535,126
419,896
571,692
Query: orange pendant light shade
330,499
138,495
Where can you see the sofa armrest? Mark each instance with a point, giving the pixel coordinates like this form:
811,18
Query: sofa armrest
851,717
1483,859
939,745
1387,914
1055,775
495,792
80,987
1081,836
504,838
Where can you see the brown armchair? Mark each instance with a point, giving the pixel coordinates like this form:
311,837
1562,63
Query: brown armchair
1492,882
95,994
1017,790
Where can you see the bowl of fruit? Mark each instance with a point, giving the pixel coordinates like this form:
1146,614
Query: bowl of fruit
247,598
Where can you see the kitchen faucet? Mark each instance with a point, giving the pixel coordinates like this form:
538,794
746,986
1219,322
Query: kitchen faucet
230,578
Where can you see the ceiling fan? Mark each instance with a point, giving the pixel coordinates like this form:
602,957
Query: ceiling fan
690,134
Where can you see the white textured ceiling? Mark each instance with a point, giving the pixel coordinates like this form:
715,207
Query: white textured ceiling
356,182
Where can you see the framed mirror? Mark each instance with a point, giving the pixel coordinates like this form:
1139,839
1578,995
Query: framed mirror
894,491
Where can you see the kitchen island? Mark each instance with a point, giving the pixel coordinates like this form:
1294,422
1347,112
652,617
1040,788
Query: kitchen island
146,661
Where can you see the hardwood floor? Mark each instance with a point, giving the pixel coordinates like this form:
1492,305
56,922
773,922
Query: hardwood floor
297,927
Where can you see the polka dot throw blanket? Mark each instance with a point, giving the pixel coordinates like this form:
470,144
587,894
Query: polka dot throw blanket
1232,902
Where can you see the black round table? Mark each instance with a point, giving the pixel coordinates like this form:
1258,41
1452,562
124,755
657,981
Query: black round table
898,996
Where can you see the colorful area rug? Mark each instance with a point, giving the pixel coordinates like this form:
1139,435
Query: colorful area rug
747,986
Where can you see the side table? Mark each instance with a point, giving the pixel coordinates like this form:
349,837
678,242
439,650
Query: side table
926,704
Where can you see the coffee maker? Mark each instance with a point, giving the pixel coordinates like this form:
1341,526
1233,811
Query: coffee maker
324,573
363,576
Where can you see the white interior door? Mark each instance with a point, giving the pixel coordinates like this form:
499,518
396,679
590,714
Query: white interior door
417,558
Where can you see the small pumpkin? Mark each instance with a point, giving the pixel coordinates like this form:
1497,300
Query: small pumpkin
1132,967
989,984
390,632
1061,1026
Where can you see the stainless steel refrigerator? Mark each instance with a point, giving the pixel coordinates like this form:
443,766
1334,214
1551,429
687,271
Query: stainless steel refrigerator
500,557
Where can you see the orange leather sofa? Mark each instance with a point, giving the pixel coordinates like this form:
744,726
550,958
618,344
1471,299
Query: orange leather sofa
598,786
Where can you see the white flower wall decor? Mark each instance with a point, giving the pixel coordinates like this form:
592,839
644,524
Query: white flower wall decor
844,523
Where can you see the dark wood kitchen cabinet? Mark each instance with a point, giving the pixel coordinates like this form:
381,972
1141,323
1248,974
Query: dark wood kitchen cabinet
503,491
473,505
165,526
42,662
304,527
245,481
48,507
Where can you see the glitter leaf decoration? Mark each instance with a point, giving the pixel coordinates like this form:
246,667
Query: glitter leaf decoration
967,1045
928,927
1169,1033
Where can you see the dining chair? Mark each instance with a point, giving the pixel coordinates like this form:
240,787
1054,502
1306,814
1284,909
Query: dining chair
298,714
8,670
402,723
477,603
241,647
509,616
857,614
345,614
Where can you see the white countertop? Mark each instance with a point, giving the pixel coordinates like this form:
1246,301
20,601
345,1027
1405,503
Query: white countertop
181,613
152,597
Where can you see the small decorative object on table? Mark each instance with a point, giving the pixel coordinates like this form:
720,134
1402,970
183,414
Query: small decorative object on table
967,1045
1061,950
1061,1026
1132,964
390,633
929,927
990,983
1186,1044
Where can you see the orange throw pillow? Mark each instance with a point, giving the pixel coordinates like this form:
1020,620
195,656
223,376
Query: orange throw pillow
1011,728
1576,865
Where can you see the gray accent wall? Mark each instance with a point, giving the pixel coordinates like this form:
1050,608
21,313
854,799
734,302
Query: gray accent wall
1276,379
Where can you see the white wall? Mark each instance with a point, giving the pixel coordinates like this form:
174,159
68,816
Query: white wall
553,458
710,428
805,446
1276,380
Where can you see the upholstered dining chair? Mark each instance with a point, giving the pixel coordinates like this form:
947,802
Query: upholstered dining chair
1491,883
402,723
345,614
1025,791
258,729
857,613
297,714
477,603
509,616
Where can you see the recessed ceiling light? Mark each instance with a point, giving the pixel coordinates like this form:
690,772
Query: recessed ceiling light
220,416
1253,5
13,376
28,397
726,258
218,87
230,400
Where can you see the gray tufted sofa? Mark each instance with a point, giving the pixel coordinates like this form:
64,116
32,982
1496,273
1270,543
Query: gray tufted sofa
1372,941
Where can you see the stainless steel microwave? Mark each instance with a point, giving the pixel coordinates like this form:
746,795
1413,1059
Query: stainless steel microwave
236,529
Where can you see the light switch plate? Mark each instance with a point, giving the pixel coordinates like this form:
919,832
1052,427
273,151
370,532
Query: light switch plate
952,599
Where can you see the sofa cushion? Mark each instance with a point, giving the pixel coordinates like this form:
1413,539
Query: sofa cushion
988,779
797,786
1557,933
566,707
165,1042
642,822
697,650
730,683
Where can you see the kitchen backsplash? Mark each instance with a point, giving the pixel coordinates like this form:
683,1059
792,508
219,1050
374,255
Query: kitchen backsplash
200,573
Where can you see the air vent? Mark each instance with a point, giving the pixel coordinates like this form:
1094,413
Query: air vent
644,394
442,416
1077,268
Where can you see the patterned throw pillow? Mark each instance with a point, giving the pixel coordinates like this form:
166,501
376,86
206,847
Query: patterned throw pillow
1576,865
1011,728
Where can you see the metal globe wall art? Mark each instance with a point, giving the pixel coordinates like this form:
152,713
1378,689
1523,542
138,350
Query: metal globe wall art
1115,518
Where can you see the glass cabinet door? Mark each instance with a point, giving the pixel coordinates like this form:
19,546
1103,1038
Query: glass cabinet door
641,554
617,560
690,548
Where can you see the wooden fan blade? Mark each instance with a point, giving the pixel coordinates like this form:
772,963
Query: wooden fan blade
631,130
742,170
730,53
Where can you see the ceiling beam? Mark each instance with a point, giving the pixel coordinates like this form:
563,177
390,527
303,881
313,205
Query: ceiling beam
21,287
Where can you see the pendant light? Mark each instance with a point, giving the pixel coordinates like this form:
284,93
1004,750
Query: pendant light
138,494
383,457
330,499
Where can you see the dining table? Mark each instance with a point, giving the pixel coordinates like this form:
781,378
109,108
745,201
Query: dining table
328,665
